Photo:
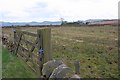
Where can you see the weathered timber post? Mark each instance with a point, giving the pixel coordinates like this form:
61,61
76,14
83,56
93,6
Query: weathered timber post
14,42
77,67
47,44
44,46
40,47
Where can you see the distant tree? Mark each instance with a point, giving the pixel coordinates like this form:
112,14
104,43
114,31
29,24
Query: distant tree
87,23
65,22
62,21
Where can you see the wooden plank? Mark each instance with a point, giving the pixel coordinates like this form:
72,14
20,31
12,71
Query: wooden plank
35,45
32,55
29,60
24,56
21,56
31,50
24,49
28,51
32,68
18,43
20,52
28,33
28,42
31,34
33,61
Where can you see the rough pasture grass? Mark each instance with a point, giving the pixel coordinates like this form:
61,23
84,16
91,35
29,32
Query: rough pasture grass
95,47
97,51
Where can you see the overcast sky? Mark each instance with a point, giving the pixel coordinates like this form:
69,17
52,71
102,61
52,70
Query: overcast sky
53,10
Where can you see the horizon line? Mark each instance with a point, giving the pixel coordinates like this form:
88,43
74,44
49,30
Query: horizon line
59,20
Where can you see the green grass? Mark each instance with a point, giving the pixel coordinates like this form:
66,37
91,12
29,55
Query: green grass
13,67
95,47
97,52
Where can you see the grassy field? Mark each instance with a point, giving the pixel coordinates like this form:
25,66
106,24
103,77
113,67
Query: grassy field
13,67
95,47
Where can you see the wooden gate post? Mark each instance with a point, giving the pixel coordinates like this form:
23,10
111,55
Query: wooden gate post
40,55
14,42
47,44
44,46
45,34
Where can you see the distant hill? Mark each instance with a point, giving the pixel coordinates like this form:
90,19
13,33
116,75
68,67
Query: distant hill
29,23
79,22
105,22
94,20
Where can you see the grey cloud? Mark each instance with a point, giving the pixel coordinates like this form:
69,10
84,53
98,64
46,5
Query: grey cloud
41,10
